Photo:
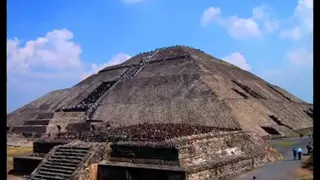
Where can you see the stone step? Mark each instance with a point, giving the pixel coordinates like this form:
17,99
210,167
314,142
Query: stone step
42,177
62,164
30,129
51,169
62,167
72,150
64,161
67,157
73,154
46,173
37,122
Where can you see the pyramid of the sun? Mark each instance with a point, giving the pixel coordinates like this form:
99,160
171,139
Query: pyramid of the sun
169,85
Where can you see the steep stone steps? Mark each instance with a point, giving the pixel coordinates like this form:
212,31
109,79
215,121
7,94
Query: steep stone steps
61,163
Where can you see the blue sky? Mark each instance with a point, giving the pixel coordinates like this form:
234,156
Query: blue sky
54,44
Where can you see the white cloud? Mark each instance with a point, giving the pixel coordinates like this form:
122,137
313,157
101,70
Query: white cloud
260,22
302,21
47,63
296,72
54,56
295,33
241,28
300,57
238,59
209,15
262,15
55,51
133,1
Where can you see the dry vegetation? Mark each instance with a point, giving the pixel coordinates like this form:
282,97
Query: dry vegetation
305,172
16,151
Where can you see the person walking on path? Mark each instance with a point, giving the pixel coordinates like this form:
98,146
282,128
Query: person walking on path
299,151
294,151
309,148
301,135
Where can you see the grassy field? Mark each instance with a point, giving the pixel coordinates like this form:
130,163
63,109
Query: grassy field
16,151
283,143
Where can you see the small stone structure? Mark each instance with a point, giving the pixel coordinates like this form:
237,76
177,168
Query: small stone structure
25,165
213,155
70,161
154,151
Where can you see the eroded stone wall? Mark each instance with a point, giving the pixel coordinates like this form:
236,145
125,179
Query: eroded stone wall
218,155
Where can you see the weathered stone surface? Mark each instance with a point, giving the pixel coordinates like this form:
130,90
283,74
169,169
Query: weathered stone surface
213,155
71,161
170,85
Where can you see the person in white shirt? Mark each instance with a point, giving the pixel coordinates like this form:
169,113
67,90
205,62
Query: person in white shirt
299,151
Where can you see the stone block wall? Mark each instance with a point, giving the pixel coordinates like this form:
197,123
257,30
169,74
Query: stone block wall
128,173
45,146
25,165
223,171
38,129
217,155
62,119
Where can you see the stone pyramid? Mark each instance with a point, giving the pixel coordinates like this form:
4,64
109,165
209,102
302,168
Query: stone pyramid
176,84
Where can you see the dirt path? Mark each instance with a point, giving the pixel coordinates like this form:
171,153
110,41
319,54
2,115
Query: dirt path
281,170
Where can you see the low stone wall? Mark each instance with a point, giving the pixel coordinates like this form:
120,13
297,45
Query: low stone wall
62,119
37,122
25,165
45,115
222,171
200,148
218,155
123,151
112,172
45,146
77,127
38,129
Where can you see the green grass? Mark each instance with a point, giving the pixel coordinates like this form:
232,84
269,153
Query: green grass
283,143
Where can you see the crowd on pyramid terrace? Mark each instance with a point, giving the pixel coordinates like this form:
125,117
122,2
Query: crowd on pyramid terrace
89,102
144,132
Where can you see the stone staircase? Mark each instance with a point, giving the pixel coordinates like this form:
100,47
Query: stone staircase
61,164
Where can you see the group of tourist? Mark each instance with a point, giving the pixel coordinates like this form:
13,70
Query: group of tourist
297,151
89,102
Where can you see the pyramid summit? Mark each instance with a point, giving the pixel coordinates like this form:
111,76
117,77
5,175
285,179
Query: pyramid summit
172,85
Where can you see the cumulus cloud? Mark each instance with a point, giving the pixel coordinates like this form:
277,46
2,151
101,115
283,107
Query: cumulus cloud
260,22
47,63
133,1
54,56
296,71
301,20
209,15
54,52
239,60
300,57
